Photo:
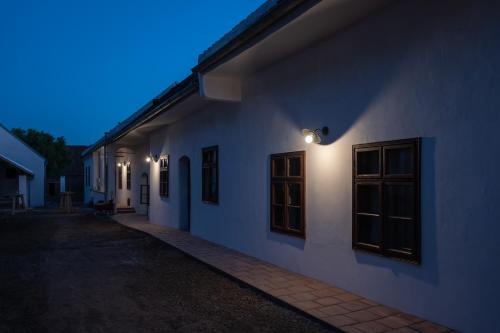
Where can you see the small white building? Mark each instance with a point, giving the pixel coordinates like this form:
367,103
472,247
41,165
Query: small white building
22,170
396,203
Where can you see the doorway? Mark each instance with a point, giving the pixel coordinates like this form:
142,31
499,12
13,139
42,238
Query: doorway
144,194
185,193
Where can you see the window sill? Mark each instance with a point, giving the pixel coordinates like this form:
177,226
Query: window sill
297,234
384,254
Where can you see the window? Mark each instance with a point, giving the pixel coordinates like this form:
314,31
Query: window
120,176
386,198
210,174
287,193
128,175
164,174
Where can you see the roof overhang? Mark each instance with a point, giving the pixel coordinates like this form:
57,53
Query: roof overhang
140,134
281,31
171,97
21,168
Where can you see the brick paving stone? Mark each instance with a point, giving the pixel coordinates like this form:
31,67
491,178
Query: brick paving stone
346,297
340,320
328,301
300,289
395,321
362,316
428,327
333,310
318,314
306,305
371,327
351,329
328,292
304,297
354,305
382,311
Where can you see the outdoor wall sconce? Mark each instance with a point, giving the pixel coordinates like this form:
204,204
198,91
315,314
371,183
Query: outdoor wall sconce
314,135
152,157
118,164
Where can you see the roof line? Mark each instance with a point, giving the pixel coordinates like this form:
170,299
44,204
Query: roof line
259,23
24,143
148,112
16,165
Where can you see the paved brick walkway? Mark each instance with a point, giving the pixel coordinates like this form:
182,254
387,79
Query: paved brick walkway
337,307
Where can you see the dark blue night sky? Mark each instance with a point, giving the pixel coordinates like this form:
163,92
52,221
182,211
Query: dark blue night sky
76,68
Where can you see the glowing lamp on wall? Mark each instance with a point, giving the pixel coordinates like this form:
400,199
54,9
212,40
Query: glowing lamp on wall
311,136
148,159
118,164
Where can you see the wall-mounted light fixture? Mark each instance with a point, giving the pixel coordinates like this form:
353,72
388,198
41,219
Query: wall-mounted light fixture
148,159
118,164
314,135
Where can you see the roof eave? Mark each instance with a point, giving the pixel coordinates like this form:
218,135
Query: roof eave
282,11
182,90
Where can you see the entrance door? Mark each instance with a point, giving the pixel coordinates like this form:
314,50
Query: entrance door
185,193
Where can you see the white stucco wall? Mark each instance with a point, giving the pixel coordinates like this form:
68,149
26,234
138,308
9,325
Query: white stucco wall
19,152
416,69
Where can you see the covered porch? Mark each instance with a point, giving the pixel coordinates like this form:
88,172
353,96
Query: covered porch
14,184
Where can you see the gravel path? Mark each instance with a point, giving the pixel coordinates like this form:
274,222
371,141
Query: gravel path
80,273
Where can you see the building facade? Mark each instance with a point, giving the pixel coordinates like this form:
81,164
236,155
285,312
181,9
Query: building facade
22,170
397,201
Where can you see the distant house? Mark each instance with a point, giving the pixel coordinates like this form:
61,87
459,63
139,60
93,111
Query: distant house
71,178
22,170
398,202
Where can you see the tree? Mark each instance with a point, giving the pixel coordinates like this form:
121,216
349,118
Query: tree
54,150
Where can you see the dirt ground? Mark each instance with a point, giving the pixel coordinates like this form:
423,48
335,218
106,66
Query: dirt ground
81,273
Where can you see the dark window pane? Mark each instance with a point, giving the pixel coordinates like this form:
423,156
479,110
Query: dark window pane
278,193
401,235
367,198
294,194
294,217
206,183
368,230
278,167
367,162
399,161
294,167
278,216
213,180
399,200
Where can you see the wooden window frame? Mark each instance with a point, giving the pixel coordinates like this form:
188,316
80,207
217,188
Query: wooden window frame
384,180
285,180
164,172
128,176
120,176
212,198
